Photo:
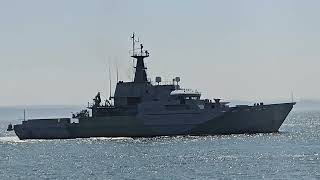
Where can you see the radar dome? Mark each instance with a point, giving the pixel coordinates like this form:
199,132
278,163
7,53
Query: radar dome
178,79
158,80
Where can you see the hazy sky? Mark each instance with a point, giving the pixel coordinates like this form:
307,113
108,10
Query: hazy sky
57,52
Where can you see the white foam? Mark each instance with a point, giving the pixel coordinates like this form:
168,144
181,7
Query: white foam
111,138
13,139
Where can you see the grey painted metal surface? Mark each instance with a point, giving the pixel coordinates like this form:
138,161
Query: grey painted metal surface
141,109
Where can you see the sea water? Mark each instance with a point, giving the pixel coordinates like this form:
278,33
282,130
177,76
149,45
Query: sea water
294,153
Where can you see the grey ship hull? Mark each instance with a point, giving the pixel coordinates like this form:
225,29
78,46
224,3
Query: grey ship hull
237,120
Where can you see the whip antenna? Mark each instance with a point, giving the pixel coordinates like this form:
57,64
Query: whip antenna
110,82
117,71
133,51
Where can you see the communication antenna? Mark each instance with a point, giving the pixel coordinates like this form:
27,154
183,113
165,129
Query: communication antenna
117,71
133,46
24,114
134,41
110,83
109,76
291,96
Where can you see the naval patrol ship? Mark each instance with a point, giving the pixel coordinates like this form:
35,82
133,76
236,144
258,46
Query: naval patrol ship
144,109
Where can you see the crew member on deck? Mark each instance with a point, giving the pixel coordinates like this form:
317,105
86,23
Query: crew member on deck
97,99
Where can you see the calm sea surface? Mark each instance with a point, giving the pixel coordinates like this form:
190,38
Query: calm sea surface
292,154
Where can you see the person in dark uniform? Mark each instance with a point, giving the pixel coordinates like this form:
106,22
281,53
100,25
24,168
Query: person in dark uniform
97,99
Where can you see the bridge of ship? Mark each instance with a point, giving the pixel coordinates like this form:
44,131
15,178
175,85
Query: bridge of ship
129,95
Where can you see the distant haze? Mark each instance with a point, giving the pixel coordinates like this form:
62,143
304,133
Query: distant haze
57,52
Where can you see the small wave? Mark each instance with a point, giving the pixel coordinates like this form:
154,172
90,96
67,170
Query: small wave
111,138
10,139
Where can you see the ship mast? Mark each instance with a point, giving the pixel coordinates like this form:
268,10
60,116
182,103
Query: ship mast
133,50
140,74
